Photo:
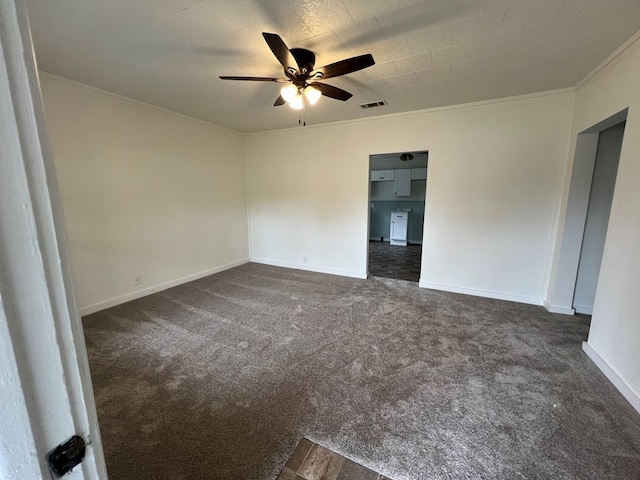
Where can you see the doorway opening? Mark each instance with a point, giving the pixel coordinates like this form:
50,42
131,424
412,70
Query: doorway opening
591,192
397,193
603,184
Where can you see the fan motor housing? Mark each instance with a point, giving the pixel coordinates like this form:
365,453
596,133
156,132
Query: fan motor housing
306,59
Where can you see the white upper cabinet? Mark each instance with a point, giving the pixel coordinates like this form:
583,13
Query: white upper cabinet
383,175
419,173
403,183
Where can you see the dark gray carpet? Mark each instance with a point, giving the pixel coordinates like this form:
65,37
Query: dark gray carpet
221,378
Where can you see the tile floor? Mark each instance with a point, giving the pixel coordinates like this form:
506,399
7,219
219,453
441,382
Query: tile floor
393,261
311,461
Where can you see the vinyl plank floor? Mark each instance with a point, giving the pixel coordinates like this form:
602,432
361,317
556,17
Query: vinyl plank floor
394,261
311,461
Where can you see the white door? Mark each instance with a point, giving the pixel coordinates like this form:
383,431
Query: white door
45,388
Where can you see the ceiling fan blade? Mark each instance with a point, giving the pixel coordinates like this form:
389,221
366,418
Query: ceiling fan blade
344,67
331,91
256,79
279,101
281,51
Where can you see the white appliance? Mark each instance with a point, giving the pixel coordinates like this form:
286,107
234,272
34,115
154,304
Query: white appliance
399,228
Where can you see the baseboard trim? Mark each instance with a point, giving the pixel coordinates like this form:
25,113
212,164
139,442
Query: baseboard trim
310,268
386,239
583,310
112,302
481,293
627,392
558,309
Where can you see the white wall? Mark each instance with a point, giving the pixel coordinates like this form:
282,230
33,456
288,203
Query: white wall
614,338
145,192
494,176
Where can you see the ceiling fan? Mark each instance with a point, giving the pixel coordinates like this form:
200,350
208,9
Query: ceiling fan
302,78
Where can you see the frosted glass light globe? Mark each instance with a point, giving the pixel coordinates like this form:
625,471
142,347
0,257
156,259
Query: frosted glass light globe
296,103
289,92
312,94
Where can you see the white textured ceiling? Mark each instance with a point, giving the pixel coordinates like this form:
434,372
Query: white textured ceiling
428,53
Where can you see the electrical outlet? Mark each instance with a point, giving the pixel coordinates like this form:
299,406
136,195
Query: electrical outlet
304,259
137,280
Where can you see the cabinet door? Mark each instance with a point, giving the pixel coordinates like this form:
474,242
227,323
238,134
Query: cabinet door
398,230
382,175
418,174
403,183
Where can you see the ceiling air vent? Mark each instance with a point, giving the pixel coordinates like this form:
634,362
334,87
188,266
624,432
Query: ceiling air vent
373,104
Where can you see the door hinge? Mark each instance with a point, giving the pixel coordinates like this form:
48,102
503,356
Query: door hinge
65,456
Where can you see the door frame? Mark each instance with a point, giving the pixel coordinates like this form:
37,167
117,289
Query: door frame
562,283
369,201
47,395
603,180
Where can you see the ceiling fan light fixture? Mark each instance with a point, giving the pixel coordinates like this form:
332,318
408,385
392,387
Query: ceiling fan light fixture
299,64
406,157
312,94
